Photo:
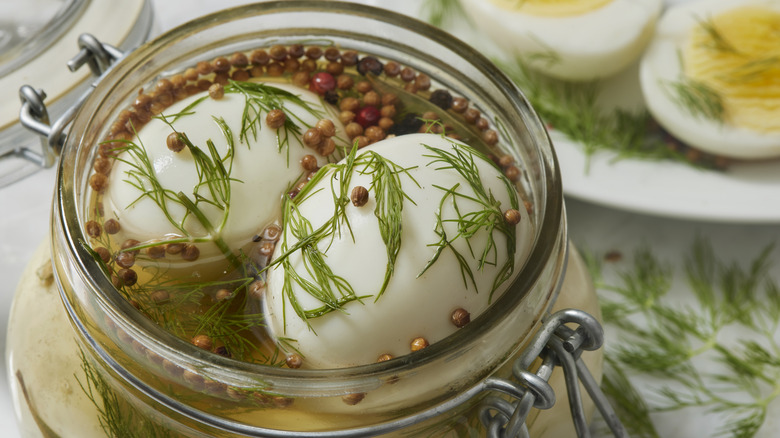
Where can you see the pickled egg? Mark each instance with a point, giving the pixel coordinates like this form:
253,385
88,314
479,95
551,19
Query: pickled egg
419,305
268,162
575,40
711,76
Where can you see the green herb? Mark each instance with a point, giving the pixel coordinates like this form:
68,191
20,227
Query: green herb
441,12
117,418
717,43
327,287
697,98
662,339
487,219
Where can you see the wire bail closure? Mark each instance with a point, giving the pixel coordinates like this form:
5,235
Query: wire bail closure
34,115
556,344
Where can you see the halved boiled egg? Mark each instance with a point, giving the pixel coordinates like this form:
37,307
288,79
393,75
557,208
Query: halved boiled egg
711,76
576,40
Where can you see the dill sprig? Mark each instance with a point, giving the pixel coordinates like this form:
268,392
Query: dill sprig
487,218
118,419
441,12
330,289
668,341
717,41
572,109
698,98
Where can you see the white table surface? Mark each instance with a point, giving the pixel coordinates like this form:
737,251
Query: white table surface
25,208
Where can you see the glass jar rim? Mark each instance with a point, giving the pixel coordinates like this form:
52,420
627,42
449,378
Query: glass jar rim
548,230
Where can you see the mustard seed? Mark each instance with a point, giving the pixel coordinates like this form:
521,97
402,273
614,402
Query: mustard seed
353,399
359,196
293,361
418,344
93,229
202,341
175,141
460,317
512,217
190,252
309,162
275,118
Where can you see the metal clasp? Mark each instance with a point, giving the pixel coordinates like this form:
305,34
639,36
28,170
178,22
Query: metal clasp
34,115
556,344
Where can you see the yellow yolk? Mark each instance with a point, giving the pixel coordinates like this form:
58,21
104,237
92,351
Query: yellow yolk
552,8
737,54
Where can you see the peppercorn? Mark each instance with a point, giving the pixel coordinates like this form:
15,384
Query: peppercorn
409,124
222,351
369,64
295,51
512,217
309,162
407,74
275,118
175,141
392,69
93,229
359,196
293,361
418,344
460,317
441,98
202,341
331,97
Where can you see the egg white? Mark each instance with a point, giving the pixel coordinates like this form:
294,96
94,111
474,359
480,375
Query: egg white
583,47
661,65
411,306
261,171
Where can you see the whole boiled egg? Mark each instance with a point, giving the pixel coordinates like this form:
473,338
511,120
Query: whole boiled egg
711,76
148,175
434,206
575,40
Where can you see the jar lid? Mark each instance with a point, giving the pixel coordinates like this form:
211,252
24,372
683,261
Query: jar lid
37,39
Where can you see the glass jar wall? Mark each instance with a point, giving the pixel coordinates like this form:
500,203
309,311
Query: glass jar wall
161,384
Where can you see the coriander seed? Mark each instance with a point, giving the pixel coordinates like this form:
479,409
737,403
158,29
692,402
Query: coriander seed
275,118
93,229
111,226
202,341
293,361
359,196
460,317
512,217
175,141
190,252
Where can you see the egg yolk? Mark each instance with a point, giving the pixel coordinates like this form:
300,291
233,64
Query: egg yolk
552,8
737,55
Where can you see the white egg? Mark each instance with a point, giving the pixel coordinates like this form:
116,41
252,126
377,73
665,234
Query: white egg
414,304
566,43
262,169
757,134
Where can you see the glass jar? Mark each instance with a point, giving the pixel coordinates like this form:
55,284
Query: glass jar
123,374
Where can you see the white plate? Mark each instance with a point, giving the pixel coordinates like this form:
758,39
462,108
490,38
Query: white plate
744,193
